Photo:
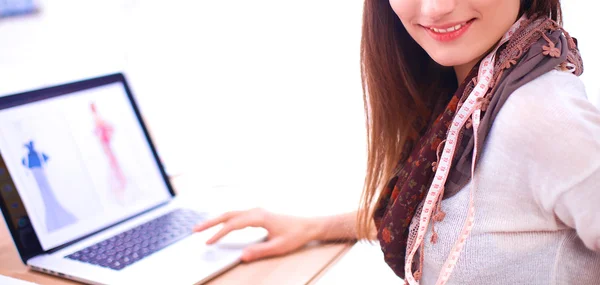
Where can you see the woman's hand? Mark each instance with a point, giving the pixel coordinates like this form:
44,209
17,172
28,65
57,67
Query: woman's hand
286,233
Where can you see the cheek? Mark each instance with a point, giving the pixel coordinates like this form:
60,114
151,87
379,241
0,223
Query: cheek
499,17
494,5
407,11
504,10
404,9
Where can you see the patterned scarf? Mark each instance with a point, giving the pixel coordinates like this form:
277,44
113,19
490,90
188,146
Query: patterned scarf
538,46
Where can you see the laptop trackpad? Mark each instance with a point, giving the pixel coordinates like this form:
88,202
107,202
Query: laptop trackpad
186,262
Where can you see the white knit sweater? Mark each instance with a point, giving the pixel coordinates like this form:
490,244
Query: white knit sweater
537,203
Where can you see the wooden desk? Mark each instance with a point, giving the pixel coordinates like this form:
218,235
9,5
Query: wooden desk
301,267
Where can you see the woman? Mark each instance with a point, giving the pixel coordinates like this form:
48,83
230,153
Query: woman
483,154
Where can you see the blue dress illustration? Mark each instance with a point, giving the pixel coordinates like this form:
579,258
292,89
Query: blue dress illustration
56,216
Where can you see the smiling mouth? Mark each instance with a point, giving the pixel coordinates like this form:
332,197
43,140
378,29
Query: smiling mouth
449,32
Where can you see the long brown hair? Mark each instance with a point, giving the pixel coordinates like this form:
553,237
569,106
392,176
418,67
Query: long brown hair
400,83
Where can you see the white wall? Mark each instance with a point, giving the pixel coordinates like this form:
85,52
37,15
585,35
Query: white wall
264,94
578,15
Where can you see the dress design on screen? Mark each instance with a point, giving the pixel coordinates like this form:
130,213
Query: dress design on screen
104,131
56,216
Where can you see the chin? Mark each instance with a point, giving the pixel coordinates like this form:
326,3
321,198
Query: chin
452,59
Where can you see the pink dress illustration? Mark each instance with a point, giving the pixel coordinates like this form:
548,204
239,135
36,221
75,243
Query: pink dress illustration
104,131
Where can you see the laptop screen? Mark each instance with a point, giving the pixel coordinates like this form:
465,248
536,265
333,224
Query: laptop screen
79,162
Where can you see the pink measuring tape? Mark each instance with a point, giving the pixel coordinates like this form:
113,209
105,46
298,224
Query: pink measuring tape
470,108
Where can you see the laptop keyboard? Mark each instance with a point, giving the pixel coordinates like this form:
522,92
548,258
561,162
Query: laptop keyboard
135,244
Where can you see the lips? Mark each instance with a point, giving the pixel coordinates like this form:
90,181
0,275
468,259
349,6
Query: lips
448,33
448,30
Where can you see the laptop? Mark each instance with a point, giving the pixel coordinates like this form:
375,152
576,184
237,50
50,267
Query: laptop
85,196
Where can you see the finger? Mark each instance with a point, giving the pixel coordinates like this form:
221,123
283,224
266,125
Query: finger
237,223
265,249
213,222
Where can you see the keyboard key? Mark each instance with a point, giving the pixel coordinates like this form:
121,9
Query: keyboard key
133,245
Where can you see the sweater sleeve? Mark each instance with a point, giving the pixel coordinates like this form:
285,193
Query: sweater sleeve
561,141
